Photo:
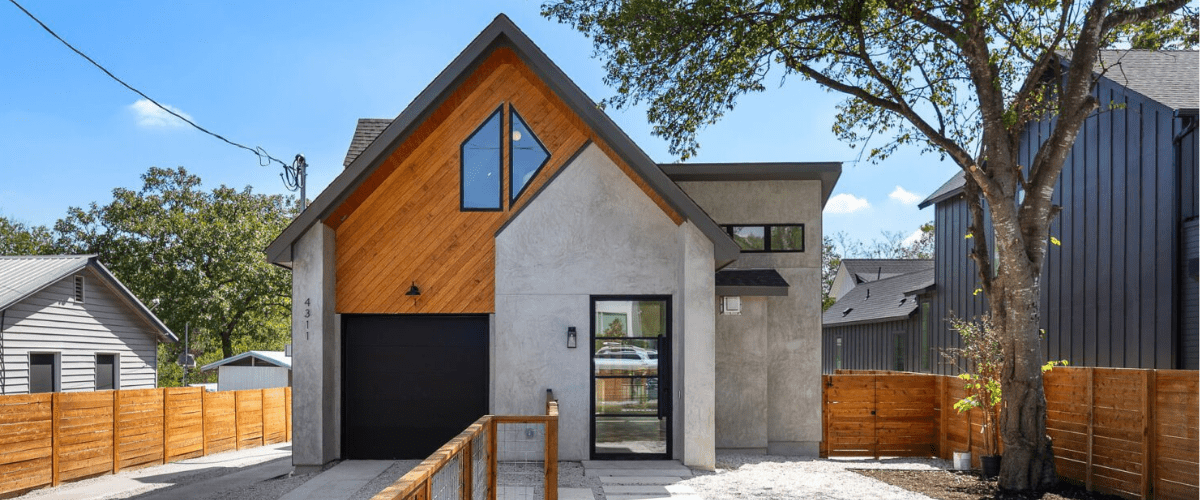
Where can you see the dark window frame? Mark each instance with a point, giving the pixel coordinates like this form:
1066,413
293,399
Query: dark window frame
462,165
767,236
512,112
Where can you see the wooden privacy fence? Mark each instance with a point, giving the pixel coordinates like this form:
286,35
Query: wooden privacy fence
46,439
467,467
1132,433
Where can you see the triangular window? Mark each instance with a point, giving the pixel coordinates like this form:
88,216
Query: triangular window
527,155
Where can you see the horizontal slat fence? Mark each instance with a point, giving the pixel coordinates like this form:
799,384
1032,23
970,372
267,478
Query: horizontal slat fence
46,439
1127,432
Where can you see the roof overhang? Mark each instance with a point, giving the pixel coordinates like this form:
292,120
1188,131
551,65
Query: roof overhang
826,172
500,33
751,283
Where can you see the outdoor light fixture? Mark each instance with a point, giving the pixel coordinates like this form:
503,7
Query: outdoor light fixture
572,338
413,290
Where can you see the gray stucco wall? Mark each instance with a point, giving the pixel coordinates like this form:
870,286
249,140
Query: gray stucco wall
790,325
316,343
591,231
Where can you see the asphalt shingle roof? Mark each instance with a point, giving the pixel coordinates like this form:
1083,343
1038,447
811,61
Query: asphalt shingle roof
364,134
888,299
750,277
877,269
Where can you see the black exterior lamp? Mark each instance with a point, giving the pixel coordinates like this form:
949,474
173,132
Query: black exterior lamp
572,338
413,291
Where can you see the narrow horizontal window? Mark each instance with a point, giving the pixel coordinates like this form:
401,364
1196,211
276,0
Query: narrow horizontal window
768,238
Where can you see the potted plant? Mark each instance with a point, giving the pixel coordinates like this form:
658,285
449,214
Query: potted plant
981,360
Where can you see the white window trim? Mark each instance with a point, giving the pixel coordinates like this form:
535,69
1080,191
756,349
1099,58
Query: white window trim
57,370
116,368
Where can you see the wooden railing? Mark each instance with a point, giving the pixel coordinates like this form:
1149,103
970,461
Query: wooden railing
466,467
1132,433
46,439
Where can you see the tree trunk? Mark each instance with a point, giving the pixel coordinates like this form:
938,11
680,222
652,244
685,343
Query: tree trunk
226,344
1028,463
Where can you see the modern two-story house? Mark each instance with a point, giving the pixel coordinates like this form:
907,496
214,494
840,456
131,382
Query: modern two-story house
501,237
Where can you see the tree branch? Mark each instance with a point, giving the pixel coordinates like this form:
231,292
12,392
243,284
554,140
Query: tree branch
1141,14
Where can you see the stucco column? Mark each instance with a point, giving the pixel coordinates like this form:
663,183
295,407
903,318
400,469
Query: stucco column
698,336
316,430
794,367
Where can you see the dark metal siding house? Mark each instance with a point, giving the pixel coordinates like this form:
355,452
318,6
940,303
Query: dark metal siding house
1118,292
878,325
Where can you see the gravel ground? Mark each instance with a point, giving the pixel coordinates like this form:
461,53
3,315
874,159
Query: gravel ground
740,476
389,476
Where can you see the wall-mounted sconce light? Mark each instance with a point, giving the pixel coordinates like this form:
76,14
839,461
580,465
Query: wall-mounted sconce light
572,338
413,290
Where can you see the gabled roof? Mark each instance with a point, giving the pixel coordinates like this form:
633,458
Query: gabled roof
866,270
826,172
276,358
1168,77
888,299
500,33
25,275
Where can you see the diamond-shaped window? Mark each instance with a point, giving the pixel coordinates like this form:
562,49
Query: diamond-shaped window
527,155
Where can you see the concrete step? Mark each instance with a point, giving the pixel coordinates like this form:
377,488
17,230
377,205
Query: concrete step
631,464
673,472
576,494
643,489
654,480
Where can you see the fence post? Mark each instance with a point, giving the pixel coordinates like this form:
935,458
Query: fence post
943,414
237,421
262,417
1091,406
492,459
116,454
465,459
1148,435
55,415
551,458
826,380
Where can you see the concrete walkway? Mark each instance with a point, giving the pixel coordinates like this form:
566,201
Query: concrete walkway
340,481
190,478
640,480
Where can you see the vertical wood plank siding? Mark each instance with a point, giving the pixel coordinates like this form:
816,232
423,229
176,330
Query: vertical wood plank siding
1114,294
404,225
51,321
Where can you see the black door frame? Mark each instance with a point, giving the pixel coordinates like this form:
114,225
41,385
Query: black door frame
665,382
343,428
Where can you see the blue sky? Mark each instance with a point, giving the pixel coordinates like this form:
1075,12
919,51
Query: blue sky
293,77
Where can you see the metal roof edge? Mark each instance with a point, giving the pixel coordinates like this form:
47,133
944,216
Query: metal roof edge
132,299
826,172
752,290
55,279
236,357
886,319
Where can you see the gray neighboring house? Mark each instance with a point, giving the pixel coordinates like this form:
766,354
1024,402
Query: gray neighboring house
252,370
67,324
878,325
852,272
502,236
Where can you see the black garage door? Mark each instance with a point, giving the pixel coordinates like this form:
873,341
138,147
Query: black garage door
410,383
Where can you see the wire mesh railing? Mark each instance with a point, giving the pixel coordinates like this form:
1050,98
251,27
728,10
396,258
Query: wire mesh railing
495,458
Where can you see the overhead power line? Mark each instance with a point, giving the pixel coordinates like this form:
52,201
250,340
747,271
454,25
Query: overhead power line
264,159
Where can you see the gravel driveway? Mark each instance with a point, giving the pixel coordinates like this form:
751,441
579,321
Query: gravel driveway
740,476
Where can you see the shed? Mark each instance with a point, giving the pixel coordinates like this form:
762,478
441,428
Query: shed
252,370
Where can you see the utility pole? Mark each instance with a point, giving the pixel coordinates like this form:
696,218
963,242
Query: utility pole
186,359
295,177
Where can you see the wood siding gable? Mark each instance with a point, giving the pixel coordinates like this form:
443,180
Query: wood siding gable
403,224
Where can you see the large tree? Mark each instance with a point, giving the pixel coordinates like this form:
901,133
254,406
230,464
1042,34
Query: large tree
18,238
957,77
195,257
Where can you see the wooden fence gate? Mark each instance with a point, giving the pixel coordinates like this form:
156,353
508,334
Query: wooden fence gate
870,415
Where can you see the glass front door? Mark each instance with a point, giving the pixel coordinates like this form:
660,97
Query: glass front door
631,397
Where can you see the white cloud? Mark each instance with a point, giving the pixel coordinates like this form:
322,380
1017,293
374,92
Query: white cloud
903,196
149,115
845,203
912,238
